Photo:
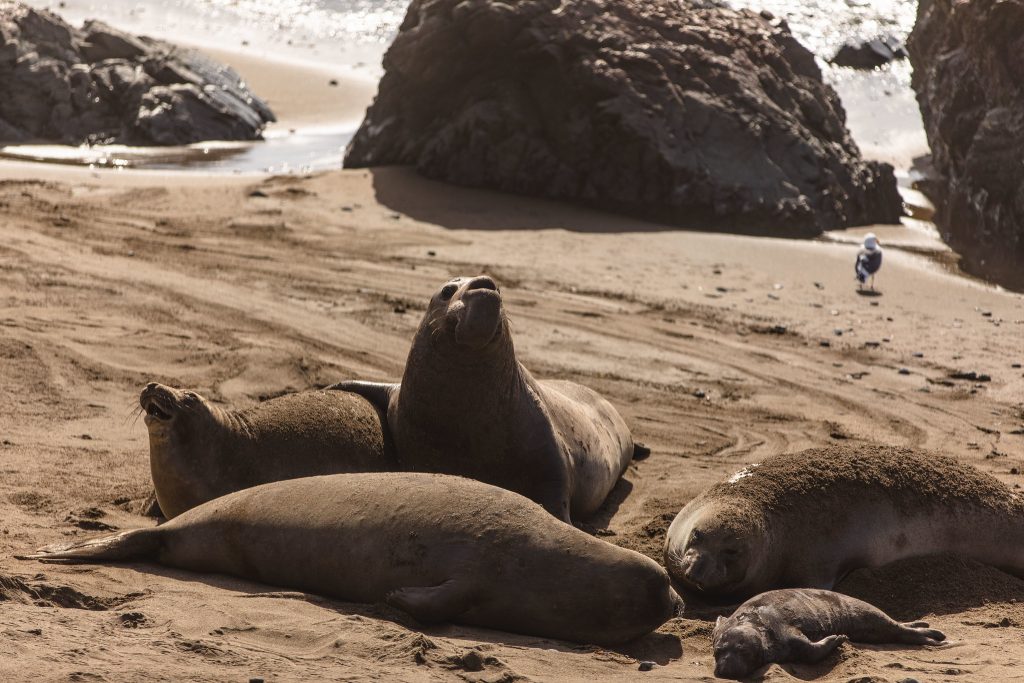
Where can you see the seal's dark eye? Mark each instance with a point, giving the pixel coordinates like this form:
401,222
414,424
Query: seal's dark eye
448,291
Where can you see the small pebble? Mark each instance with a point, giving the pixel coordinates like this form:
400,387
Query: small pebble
987,314
904,371
917,354
1015,366
646,665
1014,470
819,285
431,253
874,303
699,393
825,342
333,81
838,332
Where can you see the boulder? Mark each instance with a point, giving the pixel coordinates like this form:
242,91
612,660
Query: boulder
685,113
968,60
870,54
100,85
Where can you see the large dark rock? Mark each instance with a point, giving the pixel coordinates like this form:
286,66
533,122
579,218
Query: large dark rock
695,115
871,53
968,60
97,84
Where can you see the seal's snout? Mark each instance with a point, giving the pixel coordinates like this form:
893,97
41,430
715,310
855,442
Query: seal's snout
482,282
478,311
158,401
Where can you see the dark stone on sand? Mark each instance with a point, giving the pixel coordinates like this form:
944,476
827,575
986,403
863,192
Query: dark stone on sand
969,79
971,376
97,84
904,371
646,665
699,117
871,53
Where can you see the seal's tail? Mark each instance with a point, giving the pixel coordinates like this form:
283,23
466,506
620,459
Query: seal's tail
640,451
128,545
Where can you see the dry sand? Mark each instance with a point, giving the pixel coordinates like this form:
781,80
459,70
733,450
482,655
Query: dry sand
710,345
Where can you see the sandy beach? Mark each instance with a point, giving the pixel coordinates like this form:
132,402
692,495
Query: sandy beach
719,350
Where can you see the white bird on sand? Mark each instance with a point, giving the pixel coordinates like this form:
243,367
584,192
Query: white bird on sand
869,260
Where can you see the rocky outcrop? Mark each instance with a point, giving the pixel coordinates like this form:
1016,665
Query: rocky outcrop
99,85
968,60
690,114
870,54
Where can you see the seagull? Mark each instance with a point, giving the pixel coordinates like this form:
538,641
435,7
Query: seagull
869,260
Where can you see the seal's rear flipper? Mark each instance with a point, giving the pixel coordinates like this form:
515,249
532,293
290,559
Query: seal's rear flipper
640,451
377,393
918,633
428,604
128,545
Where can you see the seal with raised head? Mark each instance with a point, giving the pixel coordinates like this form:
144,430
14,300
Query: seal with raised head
806,519
467,406
804,625
199,451
441,548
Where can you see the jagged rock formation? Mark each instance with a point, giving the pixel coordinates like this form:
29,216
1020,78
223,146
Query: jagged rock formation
968,60
685,113
99,85
871,53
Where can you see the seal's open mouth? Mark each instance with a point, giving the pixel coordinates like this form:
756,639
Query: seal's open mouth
153,410
159,402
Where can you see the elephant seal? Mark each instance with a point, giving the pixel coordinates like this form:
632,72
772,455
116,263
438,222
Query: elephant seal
441,548
467,406
803,625
198,451
807,519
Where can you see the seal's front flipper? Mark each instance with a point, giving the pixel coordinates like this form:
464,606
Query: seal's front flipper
806,651
428,604
377,393
139,544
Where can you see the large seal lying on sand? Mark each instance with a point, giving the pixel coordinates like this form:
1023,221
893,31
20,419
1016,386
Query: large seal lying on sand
198,451
441,548
803,625
806,519
466,406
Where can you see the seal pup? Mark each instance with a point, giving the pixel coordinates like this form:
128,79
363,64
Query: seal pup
199,451
467,406
803,625
441,548
807,519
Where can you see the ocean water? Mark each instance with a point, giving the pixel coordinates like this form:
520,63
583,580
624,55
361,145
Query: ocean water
882,112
